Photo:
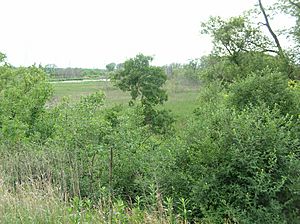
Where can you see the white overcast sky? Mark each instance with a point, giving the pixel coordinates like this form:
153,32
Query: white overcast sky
93,33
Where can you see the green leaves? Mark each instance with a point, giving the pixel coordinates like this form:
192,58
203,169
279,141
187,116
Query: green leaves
145,82
2,57
23,95
235,35
111,67
142,80
266,88
241,162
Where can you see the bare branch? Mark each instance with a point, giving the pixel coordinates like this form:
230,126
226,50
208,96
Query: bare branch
297,5
280,51
261,23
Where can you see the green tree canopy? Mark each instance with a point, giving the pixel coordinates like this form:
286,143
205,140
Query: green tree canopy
142,80
110,67
236,35
145,82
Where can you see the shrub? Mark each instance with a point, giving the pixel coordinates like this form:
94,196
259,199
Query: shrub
221,69
23,95
265,87
242,167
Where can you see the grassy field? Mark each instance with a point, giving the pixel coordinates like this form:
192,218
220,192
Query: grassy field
182,99
75,90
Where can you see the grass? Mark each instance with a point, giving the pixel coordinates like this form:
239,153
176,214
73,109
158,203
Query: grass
36,199
182,98
75,90
30,205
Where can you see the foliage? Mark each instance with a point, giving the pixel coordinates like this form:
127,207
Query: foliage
111,67
222,69
50,69
145,81
61,74
215,68
236,160
142,79
242,166
33,204
23,95
234,36
240,49
265,87
292,8
187,73
2,57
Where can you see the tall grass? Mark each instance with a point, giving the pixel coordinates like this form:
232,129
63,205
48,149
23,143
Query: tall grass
31,204
32,191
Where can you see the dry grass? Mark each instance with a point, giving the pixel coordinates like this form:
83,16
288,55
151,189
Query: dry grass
30,204
39,201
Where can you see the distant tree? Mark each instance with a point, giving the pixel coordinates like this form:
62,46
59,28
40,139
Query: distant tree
194,64
119,66
50,69
110,67
2,57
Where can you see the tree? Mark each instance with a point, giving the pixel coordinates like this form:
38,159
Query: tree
145,82
270,29
119,66
142,80
241,42
50,69
288,58
110,67
2,57
236,35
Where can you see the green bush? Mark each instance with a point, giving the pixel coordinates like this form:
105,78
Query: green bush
223,70
85,133
241,167
264,87
23,95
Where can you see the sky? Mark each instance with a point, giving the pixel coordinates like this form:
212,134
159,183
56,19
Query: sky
93,33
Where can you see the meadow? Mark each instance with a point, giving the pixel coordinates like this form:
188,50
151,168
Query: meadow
182,97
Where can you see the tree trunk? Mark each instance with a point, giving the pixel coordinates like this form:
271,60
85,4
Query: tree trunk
267,24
